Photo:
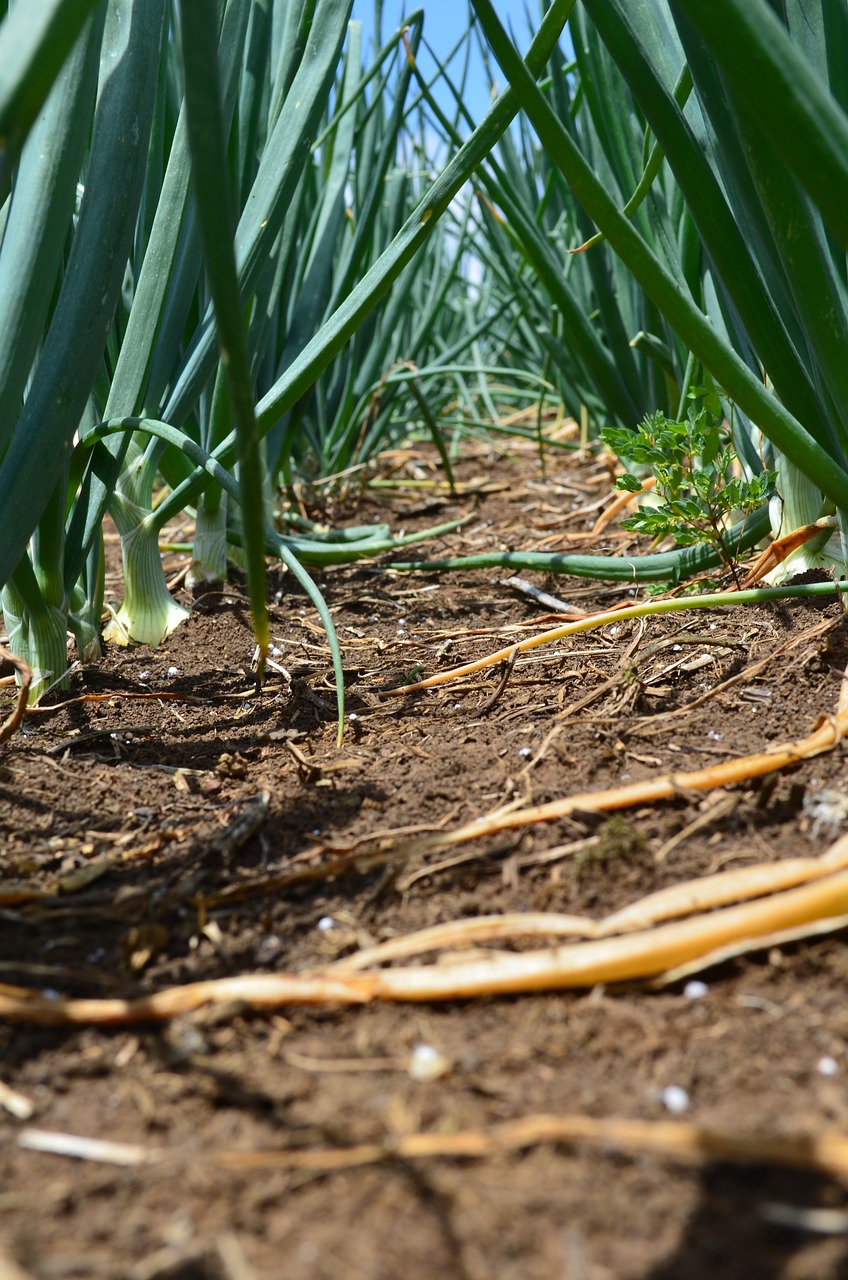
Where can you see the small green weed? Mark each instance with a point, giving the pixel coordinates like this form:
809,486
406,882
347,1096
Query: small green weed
697,481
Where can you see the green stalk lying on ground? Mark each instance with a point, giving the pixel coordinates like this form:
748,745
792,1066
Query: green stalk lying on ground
668,566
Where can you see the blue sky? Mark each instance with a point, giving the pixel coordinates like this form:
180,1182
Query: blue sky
444,23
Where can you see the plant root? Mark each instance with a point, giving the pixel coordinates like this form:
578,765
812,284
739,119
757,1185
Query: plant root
825,1152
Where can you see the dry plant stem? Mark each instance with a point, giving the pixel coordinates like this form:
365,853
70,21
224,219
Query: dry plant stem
765,942
12,721
249,991
825,1153
723,599
469,933
824,738
701,895
619,503
723,808
544,598
621,959
723,888
532,642
604,960
161,696
778,550
15,1103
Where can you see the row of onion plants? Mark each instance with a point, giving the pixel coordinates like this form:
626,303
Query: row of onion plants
705,145
207,211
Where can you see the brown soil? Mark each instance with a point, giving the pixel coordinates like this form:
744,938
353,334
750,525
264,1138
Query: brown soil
125,812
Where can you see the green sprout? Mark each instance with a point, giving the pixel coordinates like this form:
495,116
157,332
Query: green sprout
698,477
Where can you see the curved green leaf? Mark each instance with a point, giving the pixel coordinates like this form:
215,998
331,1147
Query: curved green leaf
676,304
36,37
784,94
39,217
205,120
74,346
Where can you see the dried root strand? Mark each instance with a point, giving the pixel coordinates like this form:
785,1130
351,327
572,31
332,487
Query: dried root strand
825,1152
619,502
709,892
646,954
469,933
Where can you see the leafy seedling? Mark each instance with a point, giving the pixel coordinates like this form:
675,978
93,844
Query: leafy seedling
698,478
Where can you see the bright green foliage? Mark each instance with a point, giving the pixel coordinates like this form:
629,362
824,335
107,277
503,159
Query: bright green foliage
759,164
721,195
698,479
114,312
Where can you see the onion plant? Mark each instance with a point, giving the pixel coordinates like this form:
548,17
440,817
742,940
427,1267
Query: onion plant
126,299
757,156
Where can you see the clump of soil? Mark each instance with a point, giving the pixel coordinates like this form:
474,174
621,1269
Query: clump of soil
163,824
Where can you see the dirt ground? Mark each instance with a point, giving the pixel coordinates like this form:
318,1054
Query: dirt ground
150,842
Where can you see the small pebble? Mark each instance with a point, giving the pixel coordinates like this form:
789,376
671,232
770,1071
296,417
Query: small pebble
525,752
426,1063
173,671
695,990
675,1099
268,949
325,924
827,1066
144,675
